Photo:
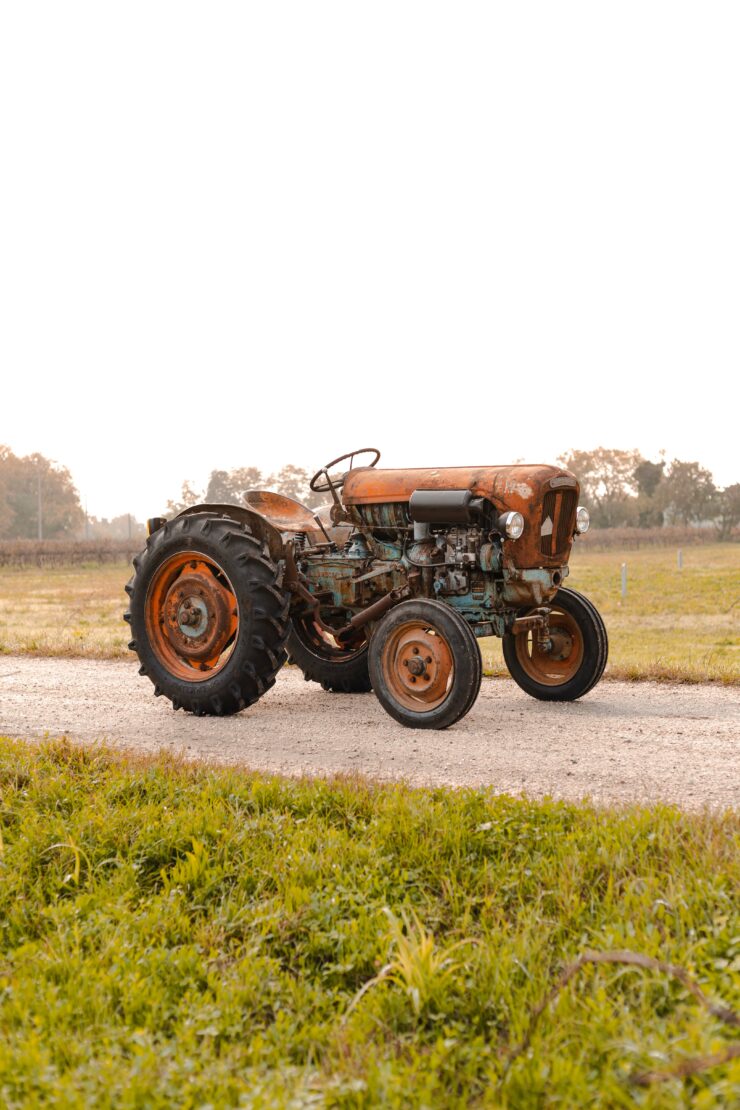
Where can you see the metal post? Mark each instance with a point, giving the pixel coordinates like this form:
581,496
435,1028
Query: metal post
680,559
624,579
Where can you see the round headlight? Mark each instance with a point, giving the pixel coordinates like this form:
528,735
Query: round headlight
583,520
511,524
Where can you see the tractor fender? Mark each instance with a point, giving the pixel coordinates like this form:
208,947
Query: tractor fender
258,524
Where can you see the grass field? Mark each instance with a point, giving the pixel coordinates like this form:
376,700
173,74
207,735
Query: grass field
181,936
682,625
76,610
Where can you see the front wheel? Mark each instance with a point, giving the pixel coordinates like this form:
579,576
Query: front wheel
425,665
574,658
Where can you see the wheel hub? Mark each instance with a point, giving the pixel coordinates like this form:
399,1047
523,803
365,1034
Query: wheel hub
197,616
556,661
561,644
422,664
192,616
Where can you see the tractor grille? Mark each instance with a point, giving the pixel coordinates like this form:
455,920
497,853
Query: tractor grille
558,520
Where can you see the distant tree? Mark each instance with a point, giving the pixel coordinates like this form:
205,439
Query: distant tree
188,498
728,510
227,487
219,490
687,493
122,527
608,483
6,518
247,477
21,480
648,477
291,481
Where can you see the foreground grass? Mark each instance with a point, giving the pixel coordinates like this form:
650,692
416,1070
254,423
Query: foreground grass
679,625
181,936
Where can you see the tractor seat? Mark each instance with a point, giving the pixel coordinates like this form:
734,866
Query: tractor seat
286,514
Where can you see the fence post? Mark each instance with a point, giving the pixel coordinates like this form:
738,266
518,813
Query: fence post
680,559
624,579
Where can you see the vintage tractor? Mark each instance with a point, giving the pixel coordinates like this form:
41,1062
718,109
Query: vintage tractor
385,588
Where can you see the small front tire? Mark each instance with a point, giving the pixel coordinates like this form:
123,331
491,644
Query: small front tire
425,665
578,655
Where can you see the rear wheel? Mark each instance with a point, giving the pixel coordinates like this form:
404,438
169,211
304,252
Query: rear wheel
577,655
425,665
335,666
208,618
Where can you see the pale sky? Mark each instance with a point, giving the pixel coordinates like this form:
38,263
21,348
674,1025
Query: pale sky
251,234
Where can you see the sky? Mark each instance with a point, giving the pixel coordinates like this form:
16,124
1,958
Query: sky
257,234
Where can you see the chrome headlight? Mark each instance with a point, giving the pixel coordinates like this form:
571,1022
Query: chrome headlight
583,520
511,524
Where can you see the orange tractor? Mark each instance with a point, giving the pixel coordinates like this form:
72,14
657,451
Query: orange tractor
385,588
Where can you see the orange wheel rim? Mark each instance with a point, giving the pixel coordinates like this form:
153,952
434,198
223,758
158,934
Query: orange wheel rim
558,665
418,666
192,616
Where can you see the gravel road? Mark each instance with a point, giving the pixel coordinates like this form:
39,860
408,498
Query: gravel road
623,742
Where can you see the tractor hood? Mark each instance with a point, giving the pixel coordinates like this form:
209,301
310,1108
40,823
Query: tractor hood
546,496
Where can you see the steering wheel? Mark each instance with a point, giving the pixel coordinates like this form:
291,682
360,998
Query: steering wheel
336,483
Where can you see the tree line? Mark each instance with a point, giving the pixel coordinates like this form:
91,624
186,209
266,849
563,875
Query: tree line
624,489
227,487
621,488
38,499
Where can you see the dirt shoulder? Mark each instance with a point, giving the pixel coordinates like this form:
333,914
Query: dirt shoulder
624,742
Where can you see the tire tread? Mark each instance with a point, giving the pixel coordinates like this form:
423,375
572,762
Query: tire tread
254,576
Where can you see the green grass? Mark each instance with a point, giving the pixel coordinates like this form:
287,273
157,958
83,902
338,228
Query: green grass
190,936
678,625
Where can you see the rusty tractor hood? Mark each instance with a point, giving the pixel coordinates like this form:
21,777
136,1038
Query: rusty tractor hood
542,494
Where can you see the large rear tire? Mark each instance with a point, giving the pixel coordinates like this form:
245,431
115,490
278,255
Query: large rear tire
323,660
425,665
209,618
576,661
